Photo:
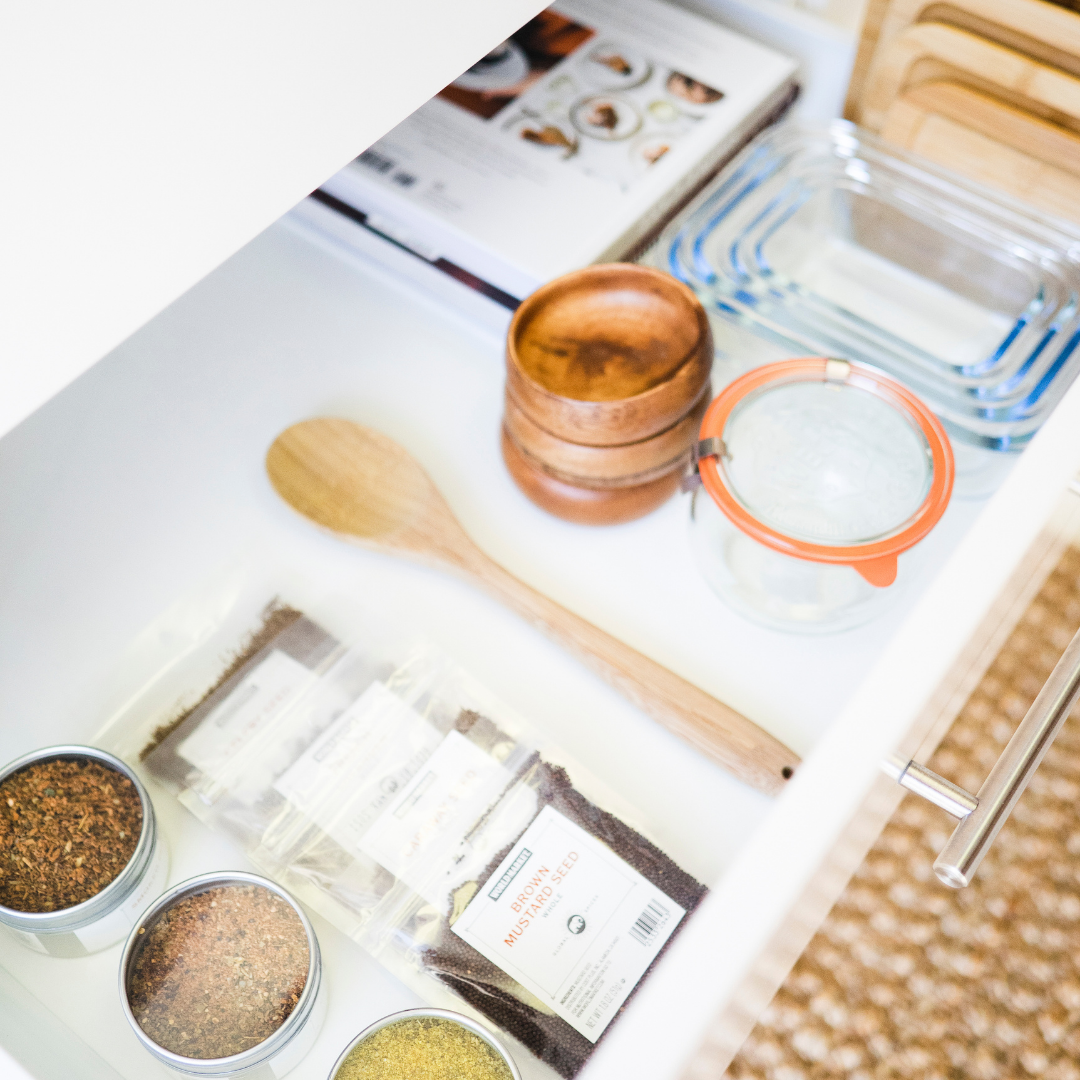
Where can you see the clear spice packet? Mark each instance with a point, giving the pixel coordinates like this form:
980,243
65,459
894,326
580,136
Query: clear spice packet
419,814
208,689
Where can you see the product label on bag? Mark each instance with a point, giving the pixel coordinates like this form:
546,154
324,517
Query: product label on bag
355,769
250,706
570,921
422,835
383,780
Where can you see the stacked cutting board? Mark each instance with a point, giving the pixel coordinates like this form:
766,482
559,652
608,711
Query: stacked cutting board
990,88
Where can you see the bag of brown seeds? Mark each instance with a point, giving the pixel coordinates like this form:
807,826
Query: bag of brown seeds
426,820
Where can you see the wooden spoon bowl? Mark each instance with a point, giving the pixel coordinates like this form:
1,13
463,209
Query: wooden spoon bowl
609,354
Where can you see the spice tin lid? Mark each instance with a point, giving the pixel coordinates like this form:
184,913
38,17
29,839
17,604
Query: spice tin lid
83,914
828,461
269,1046
435,1014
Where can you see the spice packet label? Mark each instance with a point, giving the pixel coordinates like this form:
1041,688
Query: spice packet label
228,729
349,775
569,920
423,835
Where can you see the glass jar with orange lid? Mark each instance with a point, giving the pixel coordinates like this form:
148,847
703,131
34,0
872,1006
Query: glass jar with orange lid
816,476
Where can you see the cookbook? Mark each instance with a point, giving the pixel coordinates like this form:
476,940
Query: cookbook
568,144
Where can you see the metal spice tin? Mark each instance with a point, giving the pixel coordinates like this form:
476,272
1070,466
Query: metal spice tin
275,1055
106,917
436,1014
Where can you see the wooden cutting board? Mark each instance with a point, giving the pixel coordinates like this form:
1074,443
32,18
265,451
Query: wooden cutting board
873,20
1033,27
933,52
990,142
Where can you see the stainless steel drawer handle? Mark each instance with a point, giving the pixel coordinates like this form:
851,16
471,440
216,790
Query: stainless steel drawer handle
981,816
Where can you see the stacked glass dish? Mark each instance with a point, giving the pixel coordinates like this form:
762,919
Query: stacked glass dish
831,242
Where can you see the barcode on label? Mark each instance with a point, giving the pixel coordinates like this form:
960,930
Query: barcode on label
648,922
374,160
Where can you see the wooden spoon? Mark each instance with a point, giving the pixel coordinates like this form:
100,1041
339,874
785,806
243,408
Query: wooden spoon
365,488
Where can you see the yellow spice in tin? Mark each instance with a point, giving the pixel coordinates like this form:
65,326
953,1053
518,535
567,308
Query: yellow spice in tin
423,1048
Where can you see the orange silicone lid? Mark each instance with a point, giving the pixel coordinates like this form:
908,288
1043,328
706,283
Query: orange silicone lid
876,560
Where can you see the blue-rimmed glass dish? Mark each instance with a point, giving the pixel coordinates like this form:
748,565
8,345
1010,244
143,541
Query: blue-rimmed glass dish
830,241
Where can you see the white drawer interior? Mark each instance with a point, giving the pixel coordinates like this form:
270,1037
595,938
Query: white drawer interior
147,473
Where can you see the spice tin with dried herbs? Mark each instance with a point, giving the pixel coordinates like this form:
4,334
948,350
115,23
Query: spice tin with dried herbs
495,1060
82,854
223,978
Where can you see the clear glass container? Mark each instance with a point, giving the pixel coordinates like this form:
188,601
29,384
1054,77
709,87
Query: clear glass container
817,475
279,1052
777,590
108,916
829,241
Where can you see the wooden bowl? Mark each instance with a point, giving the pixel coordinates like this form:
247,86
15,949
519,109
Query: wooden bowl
608,355
606,466
586,505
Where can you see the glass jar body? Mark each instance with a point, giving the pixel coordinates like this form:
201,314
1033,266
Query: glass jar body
778,590
108,917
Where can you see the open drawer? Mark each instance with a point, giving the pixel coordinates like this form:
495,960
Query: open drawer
782,886
146,473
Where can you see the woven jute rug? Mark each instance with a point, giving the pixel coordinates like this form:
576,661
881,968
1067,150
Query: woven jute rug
910,979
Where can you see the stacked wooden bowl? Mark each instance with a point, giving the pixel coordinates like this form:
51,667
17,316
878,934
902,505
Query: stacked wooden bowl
607,379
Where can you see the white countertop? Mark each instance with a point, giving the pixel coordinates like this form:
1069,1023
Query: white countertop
145,475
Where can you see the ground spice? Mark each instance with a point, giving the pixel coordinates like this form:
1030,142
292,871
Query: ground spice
494,993
219,971
67,829
423,1048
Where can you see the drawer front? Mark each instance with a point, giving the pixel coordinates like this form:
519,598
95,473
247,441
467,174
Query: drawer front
734,1023
903,969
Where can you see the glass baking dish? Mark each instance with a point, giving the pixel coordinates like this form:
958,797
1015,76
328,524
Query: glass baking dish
829,241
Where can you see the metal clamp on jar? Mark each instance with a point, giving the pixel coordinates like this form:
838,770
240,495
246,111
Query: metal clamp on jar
815,476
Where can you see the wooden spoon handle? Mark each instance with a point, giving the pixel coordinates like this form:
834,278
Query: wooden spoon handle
710,726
